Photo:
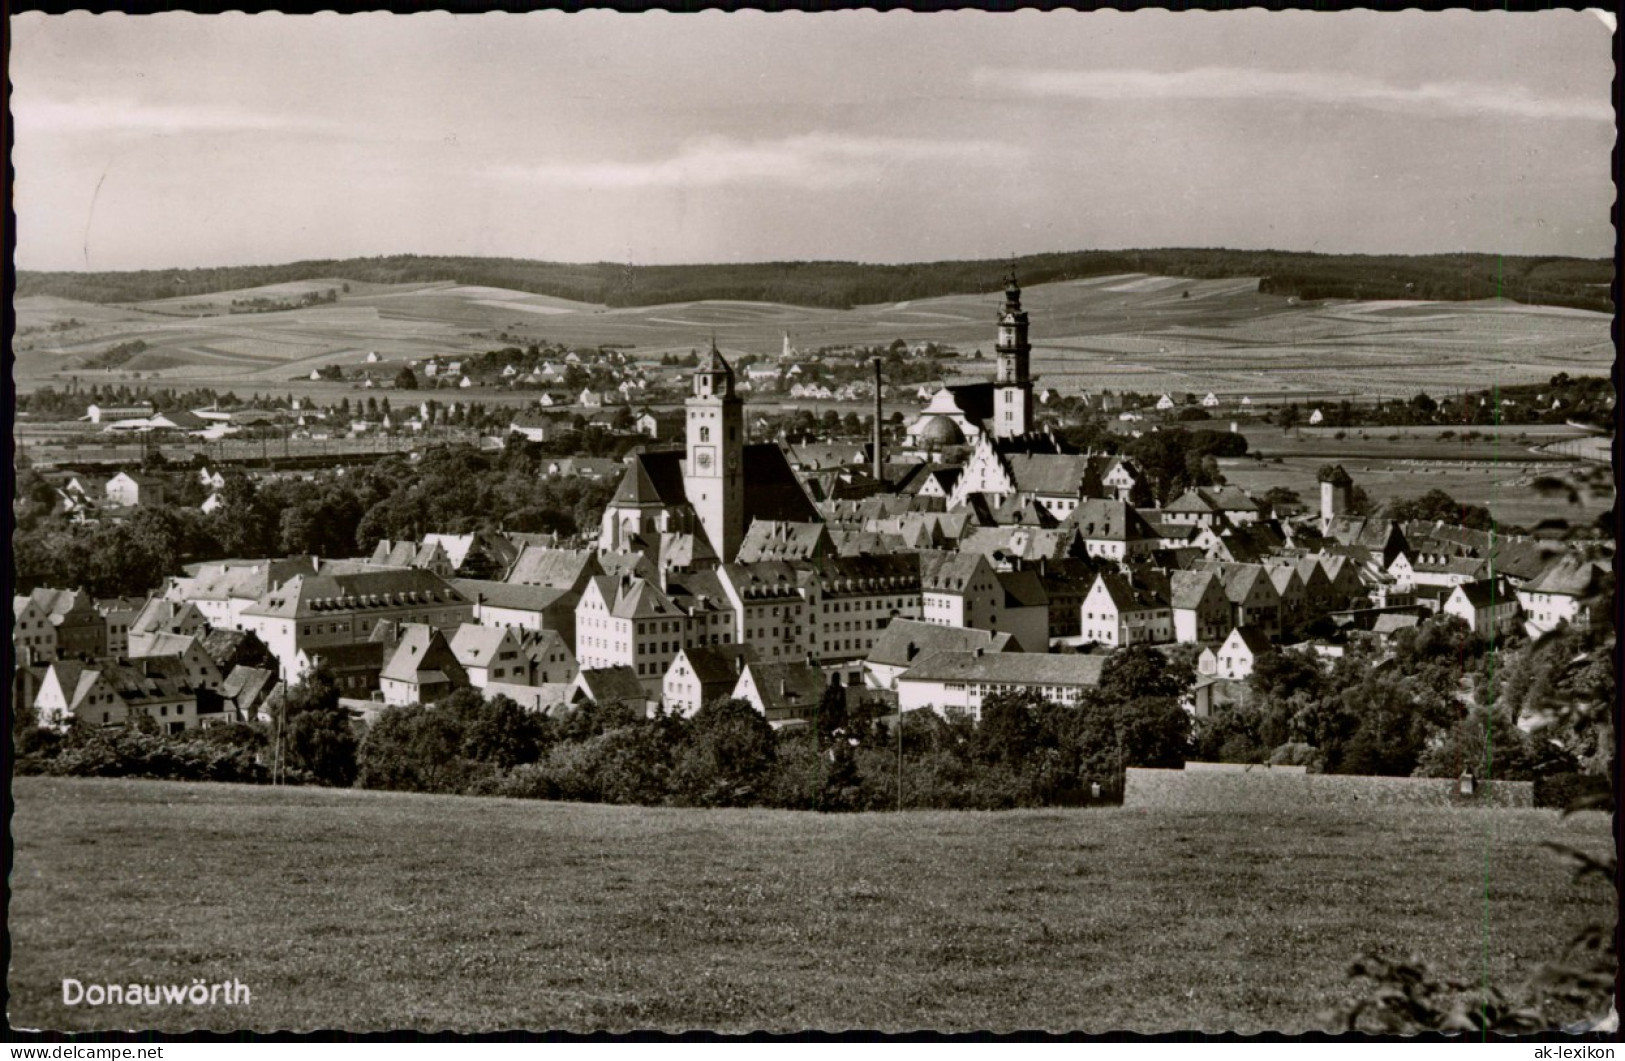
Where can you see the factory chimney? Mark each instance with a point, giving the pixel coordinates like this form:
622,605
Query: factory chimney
880,475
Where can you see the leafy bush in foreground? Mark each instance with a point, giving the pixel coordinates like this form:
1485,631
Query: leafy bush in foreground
131,753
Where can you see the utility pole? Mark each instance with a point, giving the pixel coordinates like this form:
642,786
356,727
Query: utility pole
899,758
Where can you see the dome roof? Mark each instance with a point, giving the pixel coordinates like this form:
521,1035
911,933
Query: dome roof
941,431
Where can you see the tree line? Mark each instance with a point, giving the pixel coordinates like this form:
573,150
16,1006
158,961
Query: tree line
1023,752
1579,283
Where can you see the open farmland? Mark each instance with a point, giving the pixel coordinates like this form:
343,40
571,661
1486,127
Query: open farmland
1499,469
366,911
1127,332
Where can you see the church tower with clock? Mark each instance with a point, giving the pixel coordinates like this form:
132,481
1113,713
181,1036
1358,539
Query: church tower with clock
1012,383
713,475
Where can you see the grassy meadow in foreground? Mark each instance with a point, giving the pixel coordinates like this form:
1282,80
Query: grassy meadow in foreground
361,910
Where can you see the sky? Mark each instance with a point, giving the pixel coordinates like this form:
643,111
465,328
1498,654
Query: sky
181,140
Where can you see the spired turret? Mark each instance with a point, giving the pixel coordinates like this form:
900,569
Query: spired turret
714,377
1013,384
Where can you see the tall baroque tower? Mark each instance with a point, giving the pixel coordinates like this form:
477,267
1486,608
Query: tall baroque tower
714,476
1012,384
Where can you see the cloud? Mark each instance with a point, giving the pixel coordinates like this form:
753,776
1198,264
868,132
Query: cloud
1317,87
812,161
35,116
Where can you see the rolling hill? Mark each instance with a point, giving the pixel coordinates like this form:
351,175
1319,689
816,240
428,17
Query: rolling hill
1131,331
1579,283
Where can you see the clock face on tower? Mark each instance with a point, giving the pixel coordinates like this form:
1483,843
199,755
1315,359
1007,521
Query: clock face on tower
733,462
704,458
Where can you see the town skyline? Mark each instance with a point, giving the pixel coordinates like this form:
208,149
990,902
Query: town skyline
660,139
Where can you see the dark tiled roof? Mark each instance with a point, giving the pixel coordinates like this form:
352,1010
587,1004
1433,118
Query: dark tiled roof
772,489
517,596
1056,474
1014,668
942,571
1129,594
778,540
1022,589
1189,588
719,664
1100,519
788,690
422,656
539,565
609,685
357,591
1569,577
1485,593
906,640
245,685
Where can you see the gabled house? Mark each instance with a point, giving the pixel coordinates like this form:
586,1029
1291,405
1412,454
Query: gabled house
1254,600
248,692
1342,579
1294,597
703,673
355,668
1569,591
774,605
784,692
619,686
1383,538
479,554
1317,588
1487,606
960,589
552,661
1411,570
490,654
81,630
199,668
161,616
1201,610
1114,530
629,622
1122,611
1235,656
421,668
130,489
109,693
32,635
522,606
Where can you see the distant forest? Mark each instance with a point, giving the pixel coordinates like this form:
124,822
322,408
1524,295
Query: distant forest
1575,282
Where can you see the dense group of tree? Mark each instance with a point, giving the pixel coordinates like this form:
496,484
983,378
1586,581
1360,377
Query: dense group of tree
278,305
1438,702
1580,283
115,356
1582,399
48,403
